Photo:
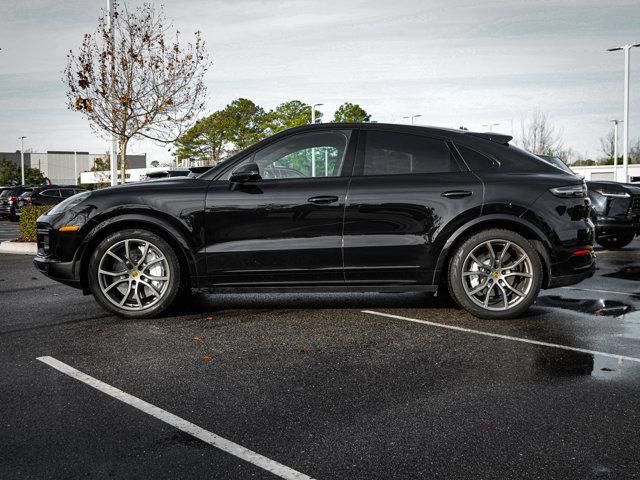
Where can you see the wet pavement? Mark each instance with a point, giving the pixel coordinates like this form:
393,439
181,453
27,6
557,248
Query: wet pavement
328,385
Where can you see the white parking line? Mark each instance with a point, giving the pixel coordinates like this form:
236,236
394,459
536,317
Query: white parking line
504,337
223,444
597,290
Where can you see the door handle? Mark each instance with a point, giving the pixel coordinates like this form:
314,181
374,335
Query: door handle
457,194
323,200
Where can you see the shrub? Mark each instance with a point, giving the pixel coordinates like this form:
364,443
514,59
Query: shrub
28,217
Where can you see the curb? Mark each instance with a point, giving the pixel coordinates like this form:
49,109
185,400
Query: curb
19,248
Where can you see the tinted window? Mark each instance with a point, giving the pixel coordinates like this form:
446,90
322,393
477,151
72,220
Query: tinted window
51,192
475,160
313,154
388,153
66,192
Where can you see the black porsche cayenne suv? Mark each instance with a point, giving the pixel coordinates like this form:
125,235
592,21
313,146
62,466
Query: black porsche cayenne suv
372,207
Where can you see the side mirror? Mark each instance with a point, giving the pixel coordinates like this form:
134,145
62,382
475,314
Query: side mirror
249,172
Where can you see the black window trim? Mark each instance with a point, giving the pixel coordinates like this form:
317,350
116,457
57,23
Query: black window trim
358,167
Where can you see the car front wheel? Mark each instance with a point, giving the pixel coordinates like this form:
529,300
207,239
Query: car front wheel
495,274
134,273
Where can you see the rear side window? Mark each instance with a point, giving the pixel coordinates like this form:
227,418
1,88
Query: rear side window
51,192
390,153
475,160
66,192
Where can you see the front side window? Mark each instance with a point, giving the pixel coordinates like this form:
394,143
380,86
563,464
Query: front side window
390,153
306,155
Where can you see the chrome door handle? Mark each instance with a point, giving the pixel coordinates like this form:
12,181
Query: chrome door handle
457,194
323,200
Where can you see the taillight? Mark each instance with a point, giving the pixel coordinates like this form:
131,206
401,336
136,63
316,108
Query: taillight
29,200
584,251
12,199
570,191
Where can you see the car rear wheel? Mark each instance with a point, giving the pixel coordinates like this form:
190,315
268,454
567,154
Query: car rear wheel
134,274
495,274
617,241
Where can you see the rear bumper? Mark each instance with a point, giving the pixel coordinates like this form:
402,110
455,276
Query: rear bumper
63,272
572,278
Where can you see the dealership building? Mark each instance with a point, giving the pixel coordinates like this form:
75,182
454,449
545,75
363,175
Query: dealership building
607,172
64,168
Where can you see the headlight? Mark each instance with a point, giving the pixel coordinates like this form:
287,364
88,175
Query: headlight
604,193
69,203
570,191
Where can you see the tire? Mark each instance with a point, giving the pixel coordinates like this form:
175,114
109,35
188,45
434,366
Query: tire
617,241
497,300
134,273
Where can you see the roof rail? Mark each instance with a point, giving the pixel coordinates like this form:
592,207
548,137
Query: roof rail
494,137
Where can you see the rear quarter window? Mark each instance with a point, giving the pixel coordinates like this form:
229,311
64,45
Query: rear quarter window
475,160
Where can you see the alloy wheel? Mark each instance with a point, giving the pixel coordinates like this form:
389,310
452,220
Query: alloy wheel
497,275
134,274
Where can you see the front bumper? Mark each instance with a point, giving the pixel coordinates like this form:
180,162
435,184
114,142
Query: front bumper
63,272
613,227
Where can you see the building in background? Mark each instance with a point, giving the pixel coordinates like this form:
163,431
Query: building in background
64,168
606,172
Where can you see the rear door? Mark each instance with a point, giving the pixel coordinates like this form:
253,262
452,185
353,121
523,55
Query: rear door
405,189
286,228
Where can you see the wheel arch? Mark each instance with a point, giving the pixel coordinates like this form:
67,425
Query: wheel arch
159,226
509,222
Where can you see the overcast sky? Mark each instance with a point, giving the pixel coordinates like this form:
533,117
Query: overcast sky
454,62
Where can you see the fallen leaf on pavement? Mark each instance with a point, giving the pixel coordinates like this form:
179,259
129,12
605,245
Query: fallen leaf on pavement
198,338
207,358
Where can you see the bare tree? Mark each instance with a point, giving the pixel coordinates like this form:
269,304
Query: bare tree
539,136
607,144
145,84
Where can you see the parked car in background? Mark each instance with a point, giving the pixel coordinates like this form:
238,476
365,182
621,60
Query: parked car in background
615,208
46,195
9,201
169,173
371,207
615,212
195,171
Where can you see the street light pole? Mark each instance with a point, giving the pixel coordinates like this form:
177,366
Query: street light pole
313,150
412,117
22,157
615,149
114,139
491,125
625,130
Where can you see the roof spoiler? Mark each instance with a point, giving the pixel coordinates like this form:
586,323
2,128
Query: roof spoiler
494,137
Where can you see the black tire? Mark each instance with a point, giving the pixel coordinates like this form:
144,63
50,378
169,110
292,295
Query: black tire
460,291
617,241
168,291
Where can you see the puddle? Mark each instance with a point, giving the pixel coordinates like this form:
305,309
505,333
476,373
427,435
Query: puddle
572,364
628,272
601,307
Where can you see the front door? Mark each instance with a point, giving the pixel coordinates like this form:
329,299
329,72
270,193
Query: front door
285,229
406,188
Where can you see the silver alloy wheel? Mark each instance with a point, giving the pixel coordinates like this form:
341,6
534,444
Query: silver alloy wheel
497,275
133,274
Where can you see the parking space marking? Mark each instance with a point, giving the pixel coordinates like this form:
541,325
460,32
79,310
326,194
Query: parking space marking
217,441
597,290
504,337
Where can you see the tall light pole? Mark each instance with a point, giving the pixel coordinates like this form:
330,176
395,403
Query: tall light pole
313,150
615,148
114,138
625,130
22,157
412,117
491,125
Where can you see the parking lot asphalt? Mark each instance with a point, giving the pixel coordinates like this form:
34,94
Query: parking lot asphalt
8,230
348,386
